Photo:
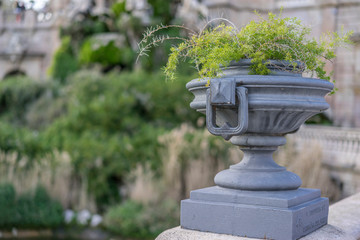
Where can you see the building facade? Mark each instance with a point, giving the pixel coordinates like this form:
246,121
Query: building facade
28,42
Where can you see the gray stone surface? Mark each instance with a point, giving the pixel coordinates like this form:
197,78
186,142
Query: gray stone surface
257,171
282,199
344,224
281,215
346,215
328,232
184,234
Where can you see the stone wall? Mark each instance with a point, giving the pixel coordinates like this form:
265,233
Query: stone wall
29,45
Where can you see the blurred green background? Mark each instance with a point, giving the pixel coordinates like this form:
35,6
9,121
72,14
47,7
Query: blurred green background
85,137
105,144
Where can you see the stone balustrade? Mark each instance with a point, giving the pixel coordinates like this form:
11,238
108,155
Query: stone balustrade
31,18
340,150
27,44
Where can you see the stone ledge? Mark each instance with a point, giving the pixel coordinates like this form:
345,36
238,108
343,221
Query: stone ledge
345,215
344,224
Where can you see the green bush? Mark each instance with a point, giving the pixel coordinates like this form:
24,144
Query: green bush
118,8
23,142
29,210
135,220
7,206
64,63
108,124
113,123
16,96
106,54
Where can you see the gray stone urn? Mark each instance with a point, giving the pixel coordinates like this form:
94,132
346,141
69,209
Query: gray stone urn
257,197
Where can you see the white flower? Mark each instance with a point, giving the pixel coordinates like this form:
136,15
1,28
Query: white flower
95,220
68,215
83,217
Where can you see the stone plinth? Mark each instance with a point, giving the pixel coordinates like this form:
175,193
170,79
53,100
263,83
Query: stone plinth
281,215
344,224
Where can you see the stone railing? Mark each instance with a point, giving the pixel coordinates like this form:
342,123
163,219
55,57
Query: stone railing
340,150
8,19
341,146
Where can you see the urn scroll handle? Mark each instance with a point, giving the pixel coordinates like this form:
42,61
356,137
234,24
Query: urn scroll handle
222,94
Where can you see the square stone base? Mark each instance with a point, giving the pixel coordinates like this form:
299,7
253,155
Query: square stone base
280,215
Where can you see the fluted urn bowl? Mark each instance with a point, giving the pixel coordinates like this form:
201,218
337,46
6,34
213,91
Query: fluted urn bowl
276,104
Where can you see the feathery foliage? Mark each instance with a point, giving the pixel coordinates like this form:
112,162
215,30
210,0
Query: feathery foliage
274,38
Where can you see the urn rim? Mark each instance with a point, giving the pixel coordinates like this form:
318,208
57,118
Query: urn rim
268,80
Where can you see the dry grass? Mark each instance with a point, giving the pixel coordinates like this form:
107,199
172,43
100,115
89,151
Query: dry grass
191,159
307,163
56,176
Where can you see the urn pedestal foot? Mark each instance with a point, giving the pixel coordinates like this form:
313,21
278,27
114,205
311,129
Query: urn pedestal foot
257,171
281,215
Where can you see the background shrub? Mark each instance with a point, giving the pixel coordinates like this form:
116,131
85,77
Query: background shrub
112,124
107,123
64,63
16,96
136,220
29,210
7,205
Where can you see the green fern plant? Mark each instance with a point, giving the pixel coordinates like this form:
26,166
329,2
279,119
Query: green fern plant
275,38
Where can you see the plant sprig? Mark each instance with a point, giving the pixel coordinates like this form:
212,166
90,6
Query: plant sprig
150,40
274,38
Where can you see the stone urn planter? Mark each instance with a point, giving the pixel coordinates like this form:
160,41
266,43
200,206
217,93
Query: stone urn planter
257,197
